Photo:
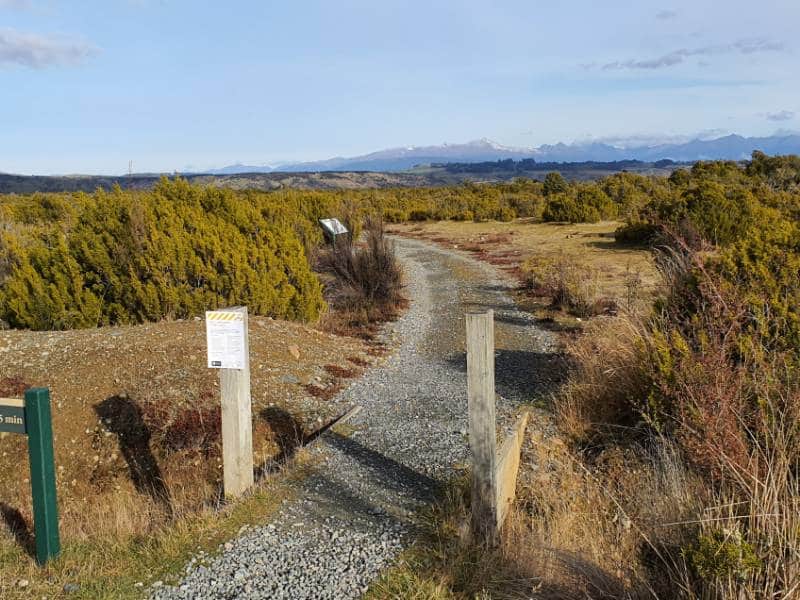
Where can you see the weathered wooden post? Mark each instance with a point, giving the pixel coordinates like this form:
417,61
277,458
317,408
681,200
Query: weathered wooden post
229,350
482,436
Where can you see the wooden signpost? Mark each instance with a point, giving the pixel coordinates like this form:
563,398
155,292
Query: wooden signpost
494,478
229,350
32,417
482,436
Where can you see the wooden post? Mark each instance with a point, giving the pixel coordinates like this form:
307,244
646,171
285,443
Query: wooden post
507,469
482,436
237,423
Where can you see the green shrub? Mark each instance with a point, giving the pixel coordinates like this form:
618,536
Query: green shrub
420,215
722,554
554,183
636,233
393,215
170,253
566,208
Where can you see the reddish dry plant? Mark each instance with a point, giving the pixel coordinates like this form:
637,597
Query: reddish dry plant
341,372
193,428
498,238
440,240
323,393
359,362
13,386
377,350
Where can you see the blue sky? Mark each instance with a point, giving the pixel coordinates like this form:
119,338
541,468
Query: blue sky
86,86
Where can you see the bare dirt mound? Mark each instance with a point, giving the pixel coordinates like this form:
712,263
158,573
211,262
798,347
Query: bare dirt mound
136,416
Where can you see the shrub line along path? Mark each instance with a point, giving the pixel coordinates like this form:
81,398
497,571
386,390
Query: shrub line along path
355,512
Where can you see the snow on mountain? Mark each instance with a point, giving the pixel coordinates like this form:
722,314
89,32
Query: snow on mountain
731,147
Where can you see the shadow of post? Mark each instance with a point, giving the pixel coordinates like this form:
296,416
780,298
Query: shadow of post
19,528
289,435
124,418
521,375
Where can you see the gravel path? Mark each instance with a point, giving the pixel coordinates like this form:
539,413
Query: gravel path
355,513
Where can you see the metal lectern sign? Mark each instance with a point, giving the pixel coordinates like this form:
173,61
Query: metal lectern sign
12,415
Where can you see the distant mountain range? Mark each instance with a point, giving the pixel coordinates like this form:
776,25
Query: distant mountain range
730,147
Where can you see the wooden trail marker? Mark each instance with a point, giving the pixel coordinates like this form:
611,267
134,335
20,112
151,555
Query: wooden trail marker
32,417
494,479
482,436
229,350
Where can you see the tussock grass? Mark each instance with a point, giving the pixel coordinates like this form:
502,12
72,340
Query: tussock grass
117,560
364,283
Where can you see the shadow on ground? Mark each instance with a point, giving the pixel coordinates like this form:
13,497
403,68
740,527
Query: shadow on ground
521,375
19,528
124,418
396,484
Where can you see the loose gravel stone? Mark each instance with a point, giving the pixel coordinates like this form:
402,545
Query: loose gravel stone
355,513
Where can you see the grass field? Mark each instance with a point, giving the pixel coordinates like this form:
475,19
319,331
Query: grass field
521,245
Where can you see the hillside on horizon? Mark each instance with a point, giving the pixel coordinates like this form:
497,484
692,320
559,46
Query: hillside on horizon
729,147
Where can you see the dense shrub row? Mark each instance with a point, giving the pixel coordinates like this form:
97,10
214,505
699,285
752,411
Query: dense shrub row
78,260
123,257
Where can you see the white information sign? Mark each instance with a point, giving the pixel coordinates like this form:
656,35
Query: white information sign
333,226
225,339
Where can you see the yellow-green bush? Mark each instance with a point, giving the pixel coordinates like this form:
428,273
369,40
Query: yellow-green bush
125,257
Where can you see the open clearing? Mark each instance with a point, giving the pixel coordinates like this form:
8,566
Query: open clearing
509,245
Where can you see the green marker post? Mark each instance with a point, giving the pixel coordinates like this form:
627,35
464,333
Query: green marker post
43,473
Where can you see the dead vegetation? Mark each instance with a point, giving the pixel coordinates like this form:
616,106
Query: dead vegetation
363,283
564,271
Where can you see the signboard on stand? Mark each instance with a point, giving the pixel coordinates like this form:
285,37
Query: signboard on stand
12,415
31,417
229,351
225,339
332,228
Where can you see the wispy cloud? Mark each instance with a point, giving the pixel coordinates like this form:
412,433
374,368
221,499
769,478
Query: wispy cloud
781,115
18,4
676,57
638,140
665,15
38,51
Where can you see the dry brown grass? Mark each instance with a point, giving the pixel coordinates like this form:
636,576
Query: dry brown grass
509,245
600,399
575,532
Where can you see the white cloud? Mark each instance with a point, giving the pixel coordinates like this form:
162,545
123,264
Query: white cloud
665,15
676,57
36,51
781,115
18,4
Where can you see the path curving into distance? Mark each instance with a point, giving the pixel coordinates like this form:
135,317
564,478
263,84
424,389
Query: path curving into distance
355,512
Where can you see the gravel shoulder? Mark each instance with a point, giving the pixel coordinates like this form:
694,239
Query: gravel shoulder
356,511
